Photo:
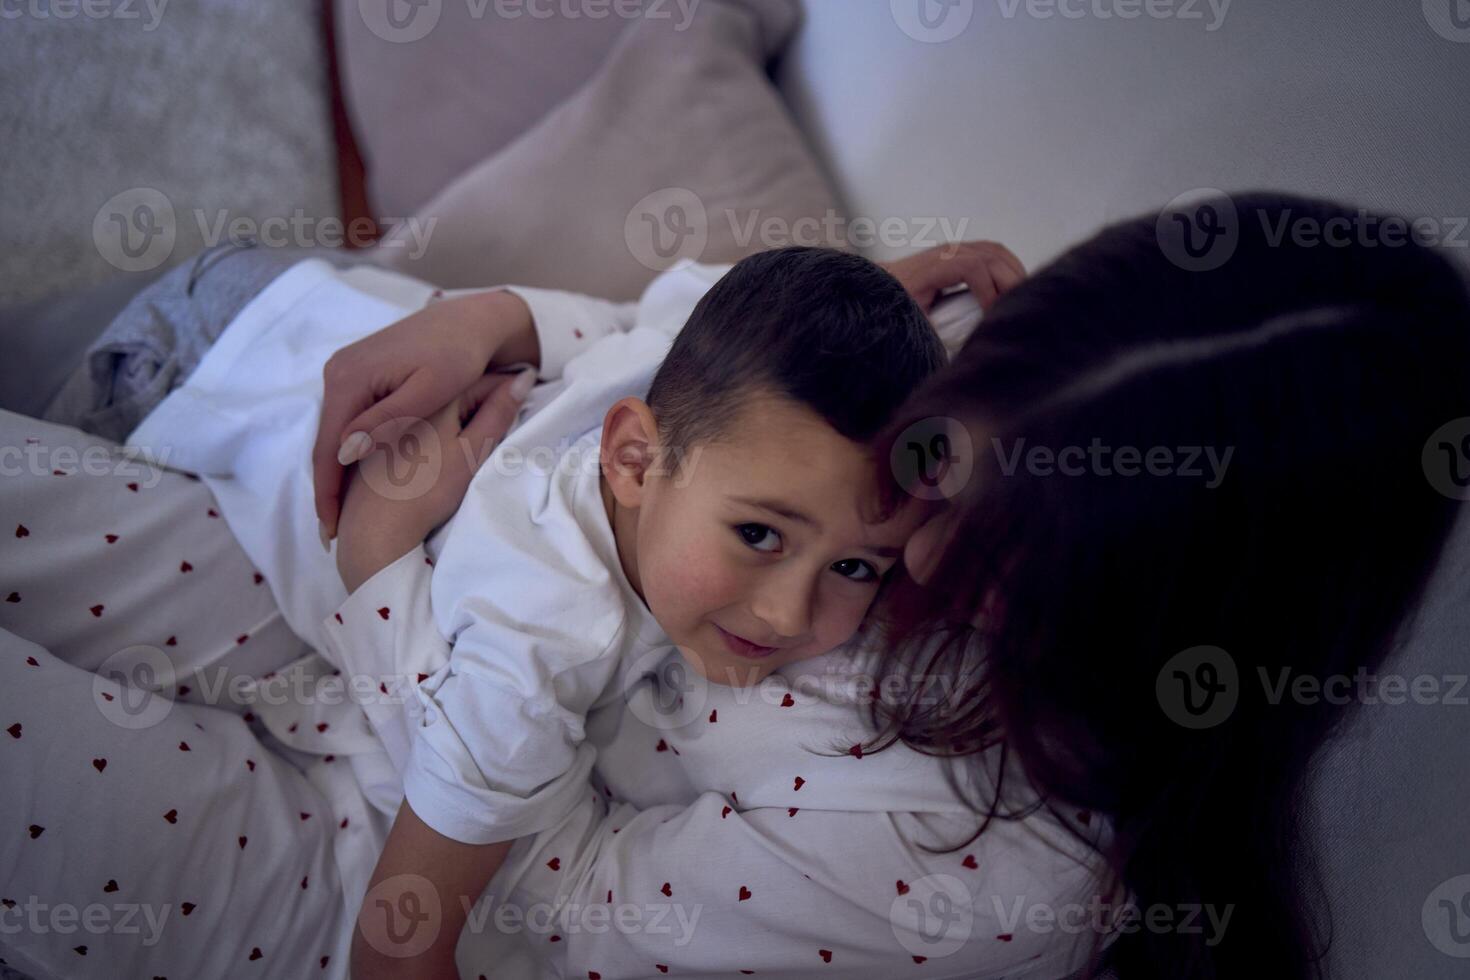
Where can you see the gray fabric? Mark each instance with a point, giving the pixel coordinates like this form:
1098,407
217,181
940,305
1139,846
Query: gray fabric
219,107
158,339
44,341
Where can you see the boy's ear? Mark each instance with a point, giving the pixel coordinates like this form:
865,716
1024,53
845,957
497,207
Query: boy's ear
629,449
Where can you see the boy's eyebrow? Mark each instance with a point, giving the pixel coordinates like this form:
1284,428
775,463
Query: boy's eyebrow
784,510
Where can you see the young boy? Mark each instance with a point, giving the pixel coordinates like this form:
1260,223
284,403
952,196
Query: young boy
730,514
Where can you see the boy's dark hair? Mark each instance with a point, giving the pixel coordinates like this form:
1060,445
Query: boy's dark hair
831,330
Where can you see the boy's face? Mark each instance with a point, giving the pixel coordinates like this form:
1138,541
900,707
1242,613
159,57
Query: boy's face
755,553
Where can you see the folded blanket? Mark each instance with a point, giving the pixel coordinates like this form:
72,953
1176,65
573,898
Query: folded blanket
153,345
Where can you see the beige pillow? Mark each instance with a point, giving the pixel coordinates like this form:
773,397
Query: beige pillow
679,147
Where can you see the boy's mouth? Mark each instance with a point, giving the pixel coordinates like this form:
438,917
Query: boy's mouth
742,647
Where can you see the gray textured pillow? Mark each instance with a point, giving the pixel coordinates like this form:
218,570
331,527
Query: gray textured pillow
217,107
679,147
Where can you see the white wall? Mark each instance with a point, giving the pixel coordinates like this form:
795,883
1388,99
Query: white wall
1040,129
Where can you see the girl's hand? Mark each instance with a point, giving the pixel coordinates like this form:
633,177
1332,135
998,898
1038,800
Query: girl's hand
416,473
988,268
409,371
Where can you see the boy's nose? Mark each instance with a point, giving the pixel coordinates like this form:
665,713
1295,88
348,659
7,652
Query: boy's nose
785,605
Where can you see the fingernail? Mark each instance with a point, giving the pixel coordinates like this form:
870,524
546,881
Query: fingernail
354,447
326,536
522,385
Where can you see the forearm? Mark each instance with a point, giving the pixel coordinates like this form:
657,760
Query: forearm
419,871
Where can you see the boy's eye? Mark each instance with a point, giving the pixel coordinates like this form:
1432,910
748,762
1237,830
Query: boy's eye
759,537
856,570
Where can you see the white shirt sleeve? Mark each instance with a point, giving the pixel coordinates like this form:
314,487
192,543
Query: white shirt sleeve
568,324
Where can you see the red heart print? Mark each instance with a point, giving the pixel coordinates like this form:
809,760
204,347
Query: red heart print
172,641
1005,937
187,907
242,842
554,939
259,578
325,961
213,512
14,730
970,862
660,968
383,612
903,888
99,764
723,813
184,690
554,864
106,696
920,959
291,727
255,953
343,824
825,954
714,716
250,764
321,726
793,811
337,617
305,816
111,538
133,487
36,831
185,567
239,640
593,975
744,893
668,890
787,701
303,881
856,751
662,746
111,885
80,950
97,610
798,784
184,747
13,597
172,816
21,531
422,677
32,661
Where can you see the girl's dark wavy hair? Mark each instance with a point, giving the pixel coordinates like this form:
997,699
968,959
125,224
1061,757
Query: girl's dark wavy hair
1058,600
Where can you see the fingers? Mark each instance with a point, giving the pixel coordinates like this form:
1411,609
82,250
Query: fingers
419,397
493,404
338,406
